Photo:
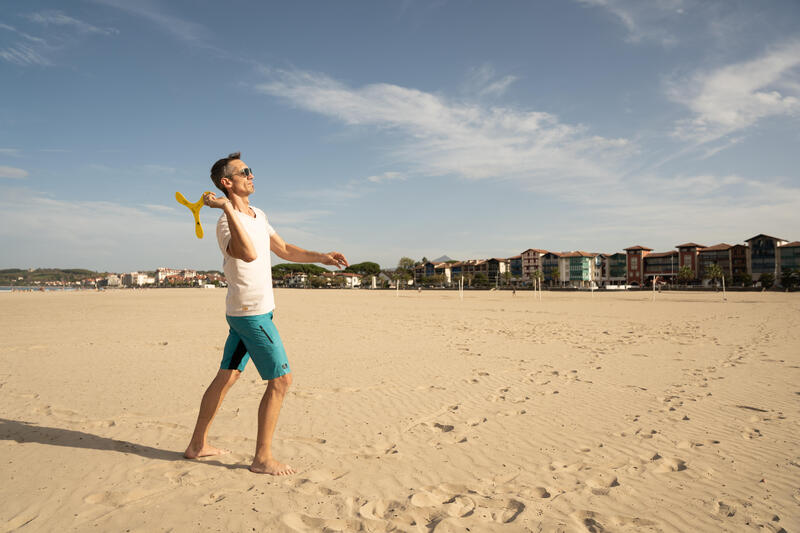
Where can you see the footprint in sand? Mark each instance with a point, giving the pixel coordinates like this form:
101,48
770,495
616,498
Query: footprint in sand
666,465
600,484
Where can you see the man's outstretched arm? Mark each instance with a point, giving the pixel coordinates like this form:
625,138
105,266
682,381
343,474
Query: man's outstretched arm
293,253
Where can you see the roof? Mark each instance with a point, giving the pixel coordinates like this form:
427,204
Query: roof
637,247
690,245
717,247
515,257
578,254
537,250
661,254
500,259
794,244
557,254
762,235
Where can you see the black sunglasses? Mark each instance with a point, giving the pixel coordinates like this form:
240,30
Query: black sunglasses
246,172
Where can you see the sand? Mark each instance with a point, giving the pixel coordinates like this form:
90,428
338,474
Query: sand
580,412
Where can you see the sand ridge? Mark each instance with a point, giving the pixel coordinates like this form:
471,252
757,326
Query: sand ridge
417,412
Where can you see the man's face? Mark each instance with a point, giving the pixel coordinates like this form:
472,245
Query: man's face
241,185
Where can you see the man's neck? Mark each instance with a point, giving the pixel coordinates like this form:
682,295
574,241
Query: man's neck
240,203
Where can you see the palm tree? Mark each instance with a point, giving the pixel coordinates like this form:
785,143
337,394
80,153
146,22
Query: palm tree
715,273
538,275
554,275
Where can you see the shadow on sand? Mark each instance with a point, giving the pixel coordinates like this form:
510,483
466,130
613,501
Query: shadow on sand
22,432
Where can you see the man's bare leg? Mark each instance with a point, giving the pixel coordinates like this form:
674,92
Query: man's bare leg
268,411
212,399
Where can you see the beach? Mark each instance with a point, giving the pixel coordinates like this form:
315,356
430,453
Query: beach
409,411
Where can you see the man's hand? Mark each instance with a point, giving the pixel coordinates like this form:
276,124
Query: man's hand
334,259
211,200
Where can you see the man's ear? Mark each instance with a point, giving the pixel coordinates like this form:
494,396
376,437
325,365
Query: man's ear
226,182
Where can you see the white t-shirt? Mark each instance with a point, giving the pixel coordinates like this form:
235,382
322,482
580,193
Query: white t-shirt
249,284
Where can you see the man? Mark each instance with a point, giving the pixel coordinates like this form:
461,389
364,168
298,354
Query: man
245,238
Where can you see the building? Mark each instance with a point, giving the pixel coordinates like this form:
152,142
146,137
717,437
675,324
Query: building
790,256
496,269
738,261
137,279
661,264
296,279
577,269
351,279
531,262
635,264
551,268
515,265
112,280
687,256
720,255
444,270
763,256
616,269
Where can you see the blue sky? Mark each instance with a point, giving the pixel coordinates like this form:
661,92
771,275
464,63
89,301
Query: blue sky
389,129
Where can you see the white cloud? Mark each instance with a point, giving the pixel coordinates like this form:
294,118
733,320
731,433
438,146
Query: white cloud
737,96
386,176
645,20
34,50
160,208
14,152
23,55
57,18
441,137
184,30
483,81
13,173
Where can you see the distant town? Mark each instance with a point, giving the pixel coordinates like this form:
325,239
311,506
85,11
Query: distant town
762,261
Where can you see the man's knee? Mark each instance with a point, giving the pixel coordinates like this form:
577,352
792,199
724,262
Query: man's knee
281,384
228,377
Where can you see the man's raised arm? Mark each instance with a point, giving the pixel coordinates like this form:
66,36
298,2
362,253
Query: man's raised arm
240,246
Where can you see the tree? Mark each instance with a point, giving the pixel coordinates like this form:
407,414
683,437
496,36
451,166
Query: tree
318,281
767,280
790,278
507,278
685,274
743,278
367,268
554,275
405,269
480,280
280,270
538,275
715,273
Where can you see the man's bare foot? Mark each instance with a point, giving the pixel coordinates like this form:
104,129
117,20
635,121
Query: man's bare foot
272,467
205,451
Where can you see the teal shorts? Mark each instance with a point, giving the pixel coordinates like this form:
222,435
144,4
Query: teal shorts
256,338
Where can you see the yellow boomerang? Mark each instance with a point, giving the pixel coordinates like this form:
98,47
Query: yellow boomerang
195,209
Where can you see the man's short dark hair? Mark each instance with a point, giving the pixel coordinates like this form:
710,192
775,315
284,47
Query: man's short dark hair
220,170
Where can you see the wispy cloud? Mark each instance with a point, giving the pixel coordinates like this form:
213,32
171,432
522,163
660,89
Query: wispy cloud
442,137
23,55
178,27
737,96
57,18
386,176
484,81
14,152
32,50
645,21
13,173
